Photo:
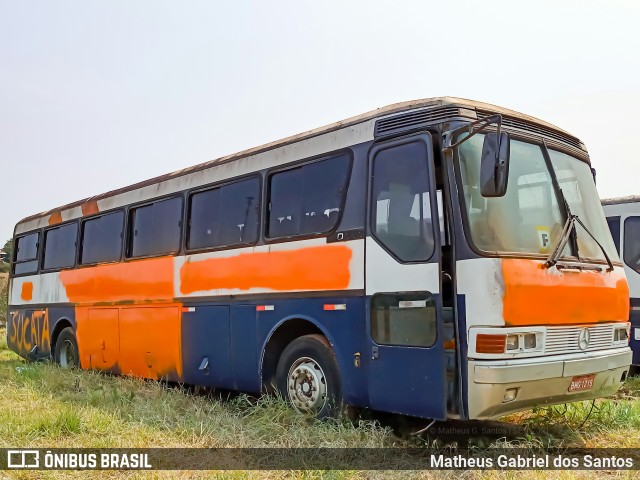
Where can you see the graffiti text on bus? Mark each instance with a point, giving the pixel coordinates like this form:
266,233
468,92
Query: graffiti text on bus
28,329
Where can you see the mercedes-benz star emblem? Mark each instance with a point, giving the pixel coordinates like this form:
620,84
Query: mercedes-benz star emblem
584,338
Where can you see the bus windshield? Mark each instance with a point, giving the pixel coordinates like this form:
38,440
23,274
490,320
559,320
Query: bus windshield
528,218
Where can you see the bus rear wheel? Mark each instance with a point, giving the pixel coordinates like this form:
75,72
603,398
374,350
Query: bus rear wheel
66,349
308,376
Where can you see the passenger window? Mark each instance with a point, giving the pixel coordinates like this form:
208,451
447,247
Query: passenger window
226,215
155,229
102,238
26,254
285,199
401,202
632,242
307,199
60,246
403,319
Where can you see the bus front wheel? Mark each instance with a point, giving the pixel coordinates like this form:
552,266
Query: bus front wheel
66,349
308,376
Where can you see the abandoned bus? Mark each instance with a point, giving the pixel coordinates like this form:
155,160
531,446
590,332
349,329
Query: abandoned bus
623,217
439,258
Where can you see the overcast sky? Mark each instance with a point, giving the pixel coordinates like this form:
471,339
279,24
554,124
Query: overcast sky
96,95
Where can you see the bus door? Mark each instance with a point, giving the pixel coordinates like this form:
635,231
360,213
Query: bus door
406,357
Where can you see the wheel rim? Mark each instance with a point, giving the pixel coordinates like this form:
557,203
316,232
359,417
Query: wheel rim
67,355
307,385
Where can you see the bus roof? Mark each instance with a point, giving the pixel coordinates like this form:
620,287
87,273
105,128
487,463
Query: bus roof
380,112
617,200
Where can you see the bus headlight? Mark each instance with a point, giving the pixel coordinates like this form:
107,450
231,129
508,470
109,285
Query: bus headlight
529,341
621,334
521,342
512,342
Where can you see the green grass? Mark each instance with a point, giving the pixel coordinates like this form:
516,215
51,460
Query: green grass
44,406
4,286
611,423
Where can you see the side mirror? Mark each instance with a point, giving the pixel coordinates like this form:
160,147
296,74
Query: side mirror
593,173
494,165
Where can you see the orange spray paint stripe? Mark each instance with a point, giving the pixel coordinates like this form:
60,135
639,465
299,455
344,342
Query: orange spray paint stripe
90,207
313,268
134,281
55,218
27,291
535,295
150,341
142,341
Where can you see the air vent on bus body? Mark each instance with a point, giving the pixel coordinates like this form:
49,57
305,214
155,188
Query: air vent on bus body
420,118
516,123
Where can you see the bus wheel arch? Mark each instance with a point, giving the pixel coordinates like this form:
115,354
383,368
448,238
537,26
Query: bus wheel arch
279,338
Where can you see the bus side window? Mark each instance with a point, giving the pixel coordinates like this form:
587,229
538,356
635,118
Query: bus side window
60,246
224,216
26,254
632,242
324,182
403,319
285,193
102,238
155,229
307,200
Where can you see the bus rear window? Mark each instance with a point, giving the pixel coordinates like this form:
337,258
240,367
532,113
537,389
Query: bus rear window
60,246
26,256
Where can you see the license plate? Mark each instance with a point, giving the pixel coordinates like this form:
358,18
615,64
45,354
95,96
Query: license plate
582,382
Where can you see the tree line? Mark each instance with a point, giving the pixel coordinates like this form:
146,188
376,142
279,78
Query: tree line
6,252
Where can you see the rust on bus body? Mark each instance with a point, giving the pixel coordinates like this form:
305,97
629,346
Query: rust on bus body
323,267
536,295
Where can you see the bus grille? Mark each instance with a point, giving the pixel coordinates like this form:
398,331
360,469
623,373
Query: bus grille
566,339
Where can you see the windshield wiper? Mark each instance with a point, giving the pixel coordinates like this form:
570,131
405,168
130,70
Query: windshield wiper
569,229
604,252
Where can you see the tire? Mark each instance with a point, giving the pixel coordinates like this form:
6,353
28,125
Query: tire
66,349
308,376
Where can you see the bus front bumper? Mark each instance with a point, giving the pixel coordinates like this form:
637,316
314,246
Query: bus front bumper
541,381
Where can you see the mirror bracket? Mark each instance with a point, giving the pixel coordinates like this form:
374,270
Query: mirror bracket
473,128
